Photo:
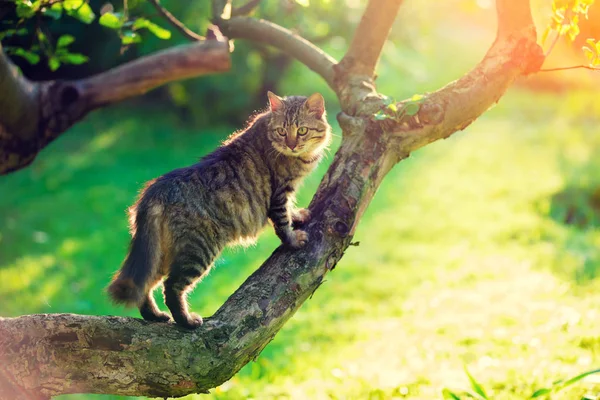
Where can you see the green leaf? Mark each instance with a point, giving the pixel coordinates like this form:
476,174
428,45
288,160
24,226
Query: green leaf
449,395
388,100
561,384
475,385
411,108
392,107
64,41
26,9
130,37
541,392
380,116
53,63
580,377
303,3
7,33
417,97
573,32
70,5
83,13
53,11
588,53
158,31
110,20
31,58
73,58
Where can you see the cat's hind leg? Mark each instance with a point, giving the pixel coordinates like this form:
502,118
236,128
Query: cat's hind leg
149,310
188,267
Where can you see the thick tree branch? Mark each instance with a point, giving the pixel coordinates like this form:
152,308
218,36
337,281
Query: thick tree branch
17,94
455,106
44,355
370,36
261,31
185,31
34,114
141,75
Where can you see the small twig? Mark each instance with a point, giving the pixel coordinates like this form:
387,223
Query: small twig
572,67
552,45
265,32
245,9
568,18
175,22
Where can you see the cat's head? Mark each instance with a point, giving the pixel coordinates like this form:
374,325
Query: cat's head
298,125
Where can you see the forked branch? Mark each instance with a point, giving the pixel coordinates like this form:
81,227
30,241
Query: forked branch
455,106
185,31
34,114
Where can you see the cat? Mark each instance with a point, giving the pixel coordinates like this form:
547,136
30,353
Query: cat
183,219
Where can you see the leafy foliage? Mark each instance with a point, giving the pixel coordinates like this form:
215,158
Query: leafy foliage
478,393
592,52
564,22
397,111
33,18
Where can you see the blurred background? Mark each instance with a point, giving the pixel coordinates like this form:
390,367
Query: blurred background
481,250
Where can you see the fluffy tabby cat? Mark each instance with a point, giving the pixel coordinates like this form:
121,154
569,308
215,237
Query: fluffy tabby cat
182,220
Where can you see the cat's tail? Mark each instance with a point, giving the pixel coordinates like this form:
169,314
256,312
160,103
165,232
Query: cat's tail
131,283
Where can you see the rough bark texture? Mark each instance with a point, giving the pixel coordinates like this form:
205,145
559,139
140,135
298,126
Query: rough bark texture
44,355
372,32
34,114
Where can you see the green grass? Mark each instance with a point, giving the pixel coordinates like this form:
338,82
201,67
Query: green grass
480,250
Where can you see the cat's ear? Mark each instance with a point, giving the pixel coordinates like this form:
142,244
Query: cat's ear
275,102
315,104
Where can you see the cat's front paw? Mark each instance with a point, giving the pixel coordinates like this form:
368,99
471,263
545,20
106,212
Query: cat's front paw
297,239
301,216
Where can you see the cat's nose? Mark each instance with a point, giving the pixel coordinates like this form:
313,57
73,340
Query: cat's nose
292,146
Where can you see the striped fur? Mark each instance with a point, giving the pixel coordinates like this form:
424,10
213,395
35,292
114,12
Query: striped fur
183,219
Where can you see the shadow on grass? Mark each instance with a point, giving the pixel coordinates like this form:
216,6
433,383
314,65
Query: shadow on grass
577,210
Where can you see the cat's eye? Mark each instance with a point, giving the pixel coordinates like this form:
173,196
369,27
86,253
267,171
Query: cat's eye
302,131
281,131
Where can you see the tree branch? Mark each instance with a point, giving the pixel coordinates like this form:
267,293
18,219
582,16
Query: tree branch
370,36
571,67
34,114
245,9
185,31
261,31
455,106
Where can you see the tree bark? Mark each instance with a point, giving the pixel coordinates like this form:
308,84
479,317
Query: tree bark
34,114
45,355
371,34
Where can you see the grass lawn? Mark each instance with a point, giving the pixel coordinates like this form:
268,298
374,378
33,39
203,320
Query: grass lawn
480,250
